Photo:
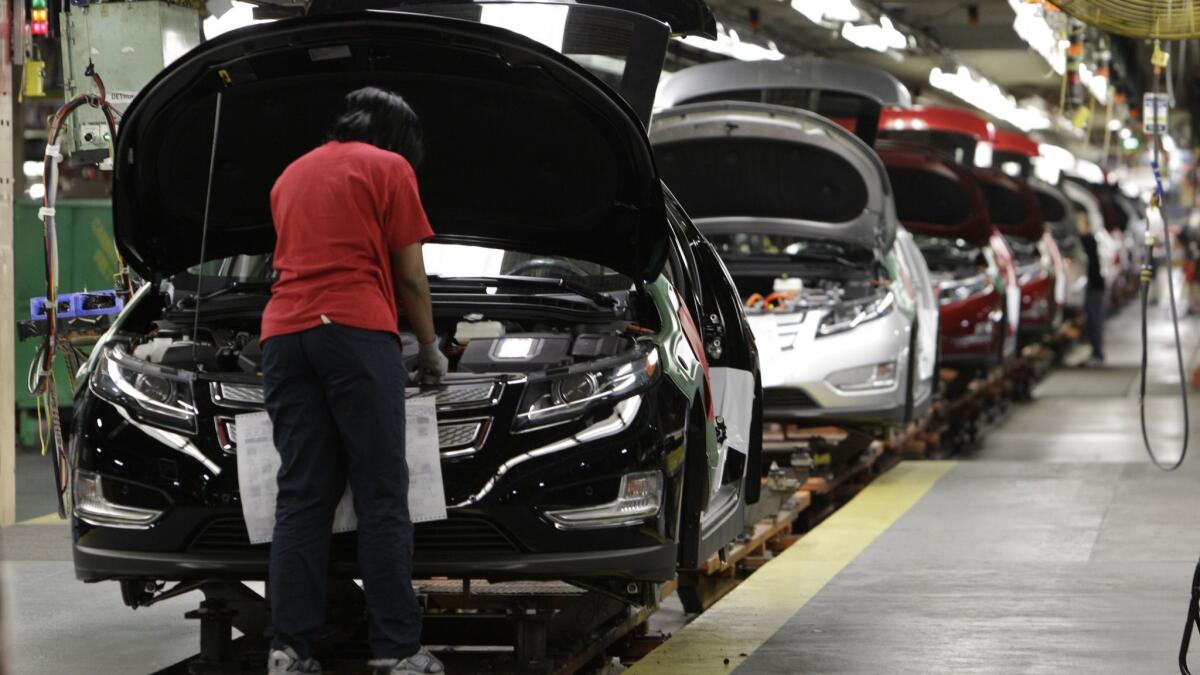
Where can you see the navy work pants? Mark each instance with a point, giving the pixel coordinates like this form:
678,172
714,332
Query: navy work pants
335,395
1095,307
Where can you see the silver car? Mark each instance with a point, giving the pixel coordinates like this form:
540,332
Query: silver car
837,293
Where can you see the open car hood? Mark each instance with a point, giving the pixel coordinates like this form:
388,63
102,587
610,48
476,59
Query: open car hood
685,17
852,94
1014,208
936,196
526,150
762,164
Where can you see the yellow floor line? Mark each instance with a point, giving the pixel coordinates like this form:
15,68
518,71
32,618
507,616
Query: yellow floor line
48,519
724,636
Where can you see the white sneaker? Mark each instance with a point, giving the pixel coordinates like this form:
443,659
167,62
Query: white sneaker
421,663
285,661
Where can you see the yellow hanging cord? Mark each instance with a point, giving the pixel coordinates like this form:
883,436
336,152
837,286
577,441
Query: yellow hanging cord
41,432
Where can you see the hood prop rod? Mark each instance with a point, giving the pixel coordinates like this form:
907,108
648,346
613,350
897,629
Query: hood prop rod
212,163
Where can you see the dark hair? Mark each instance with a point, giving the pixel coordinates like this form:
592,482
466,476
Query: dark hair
383,119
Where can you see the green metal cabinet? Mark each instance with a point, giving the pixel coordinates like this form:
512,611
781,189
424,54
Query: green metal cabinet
87,261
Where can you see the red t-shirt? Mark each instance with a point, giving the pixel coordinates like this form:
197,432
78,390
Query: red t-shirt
339,211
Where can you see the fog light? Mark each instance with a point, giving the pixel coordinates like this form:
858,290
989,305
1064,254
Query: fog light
638,498
92,507
864,378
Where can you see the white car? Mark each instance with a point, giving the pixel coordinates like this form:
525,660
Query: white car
1110,250
837,294
1060,225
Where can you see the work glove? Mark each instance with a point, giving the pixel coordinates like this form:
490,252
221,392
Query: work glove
431,364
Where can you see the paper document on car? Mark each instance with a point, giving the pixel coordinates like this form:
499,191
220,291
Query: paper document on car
258,464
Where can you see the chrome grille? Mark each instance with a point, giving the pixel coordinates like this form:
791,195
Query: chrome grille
452,436
468,394
237,394
455,439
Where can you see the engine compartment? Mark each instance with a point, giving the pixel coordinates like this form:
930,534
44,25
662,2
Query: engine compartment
228,342
769,293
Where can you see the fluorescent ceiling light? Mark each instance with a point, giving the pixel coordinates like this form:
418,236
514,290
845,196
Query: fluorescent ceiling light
241,14
1051,161
33,169
1090,171
544,23
828,11
988,97
729,44
877,37
841,10
1031,26
1125,133
1097,84
983,154
1114,125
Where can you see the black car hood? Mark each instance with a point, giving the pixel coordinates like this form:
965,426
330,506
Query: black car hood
525,149
685,17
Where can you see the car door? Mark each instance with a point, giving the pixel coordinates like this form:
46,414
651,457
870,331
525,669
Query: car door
732,395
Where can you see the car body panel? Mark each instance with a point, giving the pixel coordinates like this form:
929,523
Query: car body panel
1071,282
851,94
272,70
685,17
961,133
688,420
781,179
939,199
1109,249
796,384
935,195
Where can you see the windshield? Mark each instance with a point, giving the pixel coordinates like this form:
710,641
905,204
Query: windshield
624,49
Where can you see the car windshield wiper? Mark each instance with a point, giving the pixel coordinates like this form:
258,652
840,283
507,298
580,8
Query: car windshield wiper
570,286
235,287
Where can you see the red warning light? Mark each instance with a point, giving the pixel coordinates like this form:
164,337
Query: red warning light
39,18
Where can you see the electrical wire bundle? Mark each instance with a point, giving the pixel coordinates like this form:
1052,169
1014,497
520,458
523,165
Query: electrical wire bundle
41,381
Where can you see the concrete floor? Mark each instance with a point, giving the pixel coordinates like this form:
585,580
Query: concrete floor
1054,547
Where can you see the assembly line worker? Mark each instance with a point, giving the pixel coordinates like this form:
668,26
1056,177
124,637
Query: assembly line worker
1094,303
349,226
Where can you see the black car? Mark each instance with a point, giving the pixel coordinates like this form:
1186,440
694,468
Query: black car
600,421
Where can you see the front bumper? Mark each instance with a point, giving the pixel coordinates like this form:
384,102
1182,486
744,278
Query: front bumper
500,533
972,332
649,563
796,372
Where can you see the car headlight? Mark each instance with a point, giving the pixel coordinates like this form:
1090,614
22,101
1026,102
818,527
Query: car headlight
558,397
153,394
850,315
956,290
638,498
94,507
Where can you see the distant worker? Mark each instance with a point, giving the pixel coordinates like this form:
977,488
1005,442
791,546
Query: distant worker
1095,302
349,225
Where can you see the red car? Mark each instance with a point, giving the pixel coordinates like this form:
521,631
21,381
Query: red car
1041,268
974,142
943,205
1016,211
